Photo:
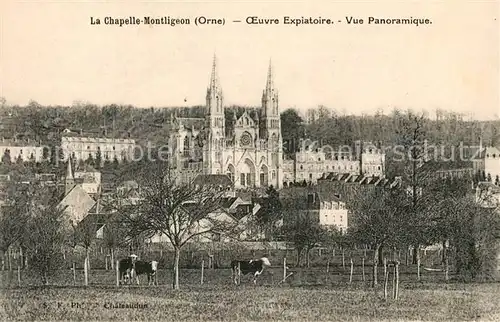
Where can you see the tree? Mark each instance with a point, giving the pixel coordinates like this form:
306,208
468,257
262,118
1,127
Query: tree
305,233
378,220
113,233
84,233
178,211
6,157
46,233
292,130
271,213
14,214
98,158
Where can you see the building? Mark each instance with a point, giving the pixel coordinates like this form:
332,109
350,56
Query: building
250,153
487,164
249,147
312,161
25,151
82,148
326,209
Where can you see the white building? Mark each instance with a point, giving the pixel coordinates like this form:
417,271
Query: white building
81,148
24,150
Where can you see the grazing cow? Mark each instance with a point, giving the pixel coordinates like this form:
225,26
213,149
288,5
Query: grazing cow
148,268
256,267
126,268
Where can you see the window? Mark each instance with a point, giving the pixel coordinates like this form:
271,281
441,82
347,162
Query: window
88,147
301,167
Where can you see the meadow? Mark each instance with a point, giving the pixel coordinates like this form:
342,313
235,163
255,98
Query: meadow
309,294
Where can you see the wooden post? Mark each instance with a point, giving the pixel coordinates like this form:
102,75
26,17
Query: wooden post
363,267
239,274
21,255
385,266
386,279
352,270
418,263
18,274
106,260
74,273
10,259
328,266
284,269
397,281
117,273
319,252
446,269
394,281
86,271
202,269
343,258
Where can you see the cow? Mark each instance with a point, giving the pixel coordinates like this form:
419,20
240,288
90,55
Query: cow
256,267
126,268
148,268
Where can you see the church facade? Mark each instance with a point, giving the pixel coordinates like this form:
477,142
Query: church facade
249,147
250,152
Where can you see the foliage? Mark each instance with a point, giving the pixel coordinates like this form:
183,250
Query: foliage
304,232
46,233
271,212
179,211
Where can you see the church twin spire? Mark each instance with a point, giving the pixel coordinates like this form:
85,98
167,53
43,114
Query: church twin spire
215,97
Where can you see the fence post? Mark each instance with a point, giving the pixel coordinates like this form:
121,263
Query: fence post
117,273
284,269
202,269
363,267
86,271
239,274
328,266
394,282
74,273
18,274
417,249
397,281
106,261
352,270
386,278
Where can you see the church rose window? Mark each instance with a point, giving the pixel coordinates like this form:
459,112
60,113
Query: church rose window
245,139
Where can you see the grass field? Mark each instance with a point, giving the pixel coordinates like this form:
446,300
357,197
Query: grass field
310,294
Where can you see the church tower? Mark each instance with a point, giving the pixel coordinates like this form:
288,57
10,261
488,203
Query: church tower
270,109
214,125
69,180
271,128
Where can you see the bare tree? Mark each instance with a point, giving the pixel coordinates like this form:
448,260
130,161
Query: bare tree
305,233
46,233
178,211
377,220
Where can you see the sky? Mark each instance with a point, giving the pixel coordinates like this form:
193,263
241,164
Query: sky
50,53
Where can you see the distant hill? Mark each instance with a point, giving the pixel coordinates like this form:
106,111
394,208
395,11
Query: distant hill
45,124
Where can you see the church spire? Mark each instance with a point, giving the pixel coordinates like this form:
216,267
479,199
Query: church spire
69,170
270,80
69,181
214,93
214,79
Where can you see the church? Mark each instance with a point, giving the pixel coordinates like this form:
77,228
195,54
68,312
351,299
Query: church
247,148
